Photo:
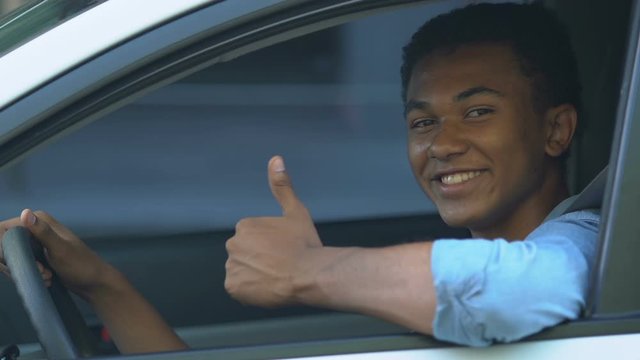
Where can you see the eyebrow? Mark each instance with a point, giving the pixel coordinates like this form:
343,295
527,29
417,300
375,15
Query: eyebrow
476,90
413,104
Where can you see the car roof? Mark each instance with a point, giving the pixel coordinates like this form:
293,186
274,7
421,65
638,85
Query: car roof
48,55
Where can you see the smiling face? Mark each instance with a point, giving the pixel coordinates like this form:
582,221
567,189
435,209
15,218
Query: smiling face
477,146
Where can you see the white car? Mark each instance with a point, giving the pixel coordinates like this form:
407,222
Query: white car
146,125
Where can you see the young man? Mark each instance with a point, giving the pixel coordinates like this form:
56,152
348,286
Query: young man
491,98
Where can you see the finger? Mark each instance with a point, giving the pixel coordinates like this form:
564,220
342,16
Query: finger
5,270
45,273
4,226
60,229
39,228
8,224
282,190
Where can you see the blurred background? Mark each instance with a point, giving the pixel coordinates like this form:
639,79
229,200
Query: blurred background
192,156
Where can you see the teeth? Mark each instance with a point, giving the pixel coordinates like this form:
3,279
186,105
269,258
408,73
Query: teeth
459,177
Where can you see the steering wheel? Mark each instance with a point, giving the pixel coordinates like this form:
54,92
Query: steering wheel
59,325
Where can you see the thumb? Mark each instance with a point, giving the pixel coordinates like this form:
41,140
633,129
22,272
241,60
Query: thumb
282,190
39,228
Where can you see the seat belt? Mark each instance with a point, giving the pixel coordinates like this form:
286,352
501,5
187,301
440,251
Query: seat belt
589,198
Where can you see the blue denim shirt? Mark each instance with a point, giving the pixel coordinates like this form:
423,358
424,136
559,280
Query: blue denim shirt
497,291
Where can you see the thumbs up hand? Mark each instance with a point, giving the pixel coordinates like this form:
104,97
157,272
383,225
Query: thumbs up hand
268,255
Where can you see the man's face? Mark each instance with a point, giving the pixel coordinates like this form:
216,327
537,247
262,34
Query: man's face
476,144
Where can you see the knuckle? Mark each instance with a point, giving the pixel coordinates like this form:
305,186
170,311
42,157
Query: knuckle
247,224
228,286
242,223
282,181
230,245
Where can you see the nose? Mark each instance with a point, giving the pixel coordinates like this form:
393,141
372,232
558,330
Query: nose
447,142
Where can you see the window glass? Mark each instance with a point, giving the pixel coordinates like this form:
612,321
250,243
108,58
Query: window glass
164,179
192,156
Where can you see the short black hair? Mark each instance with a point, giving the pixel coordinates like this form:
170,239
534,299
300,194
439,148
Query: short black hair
539,40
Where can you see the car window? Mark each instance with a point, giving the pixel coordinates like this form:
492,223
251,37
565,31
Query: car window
183,164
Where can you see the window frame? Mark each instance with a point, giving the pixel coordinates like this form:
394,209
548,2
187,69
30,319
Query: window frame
614,293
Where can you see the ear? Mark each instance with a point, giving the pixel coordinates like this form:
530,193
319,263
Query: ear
561,124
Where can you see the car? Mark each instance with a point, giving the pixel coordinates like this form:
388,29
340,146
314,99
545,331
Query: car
147,129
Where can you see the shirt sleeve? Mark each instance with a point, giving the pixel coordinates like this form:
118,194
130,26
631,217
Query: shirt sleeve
497,291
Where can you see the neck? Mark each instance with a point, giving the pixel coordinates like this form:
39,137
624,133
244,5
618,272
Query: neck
527,214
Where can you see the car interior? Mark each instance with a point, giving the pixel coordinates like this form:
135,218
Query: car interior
162,180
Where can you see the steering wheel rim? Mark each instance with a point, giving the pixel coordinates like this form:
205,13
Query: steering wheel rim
59,326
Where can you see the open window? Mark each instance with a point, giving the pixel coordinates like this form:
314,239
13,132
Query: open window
157,185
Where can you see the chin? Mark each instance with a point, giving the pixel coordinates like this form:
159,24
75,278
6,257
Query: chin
455,220
460,219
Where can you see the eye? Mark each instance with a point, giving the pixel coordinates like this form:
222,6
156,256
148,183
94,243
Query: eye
475,113
422,123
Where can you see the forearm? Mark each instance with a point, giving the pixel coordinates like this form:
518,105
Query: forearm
133,323
392,283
